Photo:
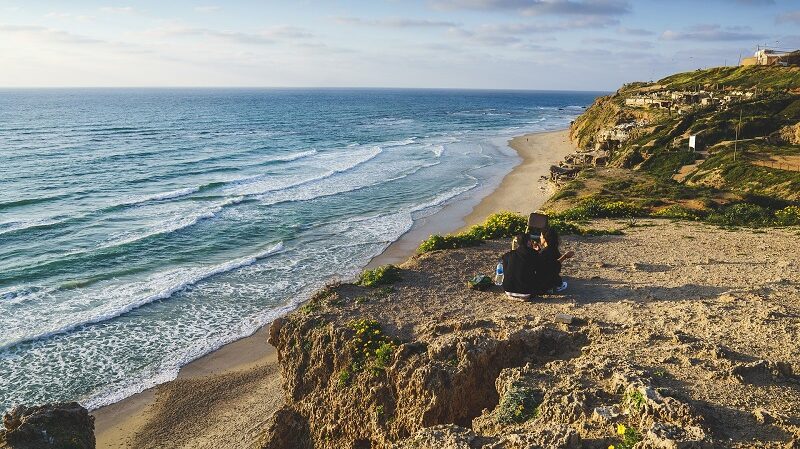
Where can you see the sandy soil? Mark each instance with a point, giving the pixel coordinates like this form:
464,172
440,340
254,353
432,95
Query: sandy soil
222,399
712,314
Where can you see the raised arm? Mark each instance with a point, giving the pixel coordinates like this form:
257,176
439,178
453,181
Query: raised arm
566,256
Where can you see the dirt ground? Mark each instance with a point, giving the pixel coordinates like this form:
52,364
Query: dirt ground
711,314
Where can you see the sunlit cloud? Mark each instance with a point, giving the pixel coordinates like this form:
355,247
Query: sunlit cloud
207,8
701,33
542,7
395,22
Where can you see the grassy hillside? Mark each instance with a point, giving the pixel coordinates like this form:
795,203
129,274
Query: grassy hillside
765,77
652,166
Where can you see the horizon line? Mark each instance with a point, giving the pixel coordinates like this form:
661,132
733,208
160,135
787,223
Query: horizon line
305,88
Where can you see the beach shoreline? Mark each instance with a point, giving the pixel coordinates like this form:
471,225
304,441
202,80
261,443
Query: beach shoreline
232,373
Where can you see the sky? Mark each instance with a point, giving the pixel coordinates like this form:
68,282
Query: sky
484,44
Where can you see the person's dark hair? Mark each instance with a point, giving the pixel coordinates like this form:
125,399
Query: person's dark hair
551,236
522,240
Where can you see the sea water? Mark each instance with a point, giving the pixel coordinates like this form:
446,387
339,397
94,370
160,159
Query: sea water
143,228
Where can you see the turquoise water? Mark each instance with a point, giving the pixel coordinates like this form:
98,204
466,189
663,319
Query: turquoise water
141,229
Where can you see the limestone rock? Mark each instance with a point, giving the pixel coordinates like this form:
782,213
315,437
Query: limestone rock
48,427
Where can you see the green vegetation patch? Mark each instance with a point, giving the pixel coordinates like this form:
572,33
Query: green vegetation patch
788,216
664,164
371,348
740,173
676,211
518,404
509,224
499,225
629,437
383,275
344,378
765,77
634,400
593,208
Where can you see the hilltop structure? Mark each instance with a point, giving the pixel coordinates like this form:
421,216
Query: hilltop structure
770,56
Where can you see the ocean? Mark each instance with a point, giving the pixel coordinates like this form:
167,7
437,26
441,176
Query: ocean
143,228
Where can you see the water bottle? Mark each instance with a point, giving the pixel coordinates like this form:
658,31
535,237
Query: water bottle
498,274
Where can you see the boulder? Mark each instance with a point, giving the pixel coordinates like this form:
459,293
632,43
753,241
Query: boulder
63,425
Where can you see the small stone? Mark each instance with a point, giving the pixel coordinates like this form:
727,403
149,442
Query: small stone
679,338
564,318
762,416
605,414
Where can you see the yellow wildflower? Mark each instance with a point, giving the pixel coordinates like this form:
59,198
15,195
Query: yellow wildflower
611,447
621,429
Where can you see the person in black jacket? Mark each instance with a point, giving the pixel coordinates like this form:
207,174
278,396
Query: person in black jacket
548,270
519,268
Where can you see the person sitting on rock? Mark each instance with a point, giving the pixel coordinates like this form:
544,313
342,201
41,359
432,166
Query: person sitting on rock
548,269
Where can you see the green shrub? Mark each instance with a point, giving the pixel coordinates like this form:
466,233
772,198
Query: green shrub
634,400
344,378
449,241
741,214
383,275
503,224
678,212
370,347
593,208
788,216
499,225
383,355
518,405
565,227
630,437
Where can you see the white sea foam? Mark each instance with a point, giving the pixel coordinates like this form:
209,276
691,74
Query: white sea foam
170,370
174,223
173,194
125,299
160,196
335,163
17,226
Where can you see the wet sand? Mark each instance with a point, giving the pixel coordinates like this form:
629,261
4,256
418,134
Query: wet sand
238,386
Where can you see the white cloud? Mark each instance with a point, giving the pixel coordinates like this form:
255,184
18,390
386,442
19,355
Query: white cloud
207,8
49,34
119,9
635,31
266,37
789,17
542,7
701,33
396,22
69,16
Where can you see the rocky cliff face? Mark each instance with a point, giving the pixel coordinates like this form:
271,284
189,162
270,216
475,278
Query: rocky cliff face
53,426
472,385
447,379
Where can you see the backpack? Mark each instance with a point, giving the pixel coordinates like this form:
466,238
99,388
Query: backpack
480,282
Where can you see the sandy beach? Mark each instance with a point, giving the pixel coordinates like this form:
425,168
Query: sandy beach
227,389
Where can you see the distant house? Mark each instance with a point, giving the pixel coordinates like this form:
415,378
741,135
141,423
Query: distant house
768,56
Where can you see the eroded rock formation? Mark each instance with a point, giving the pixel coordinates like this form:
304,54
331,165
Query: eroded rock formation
61,426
